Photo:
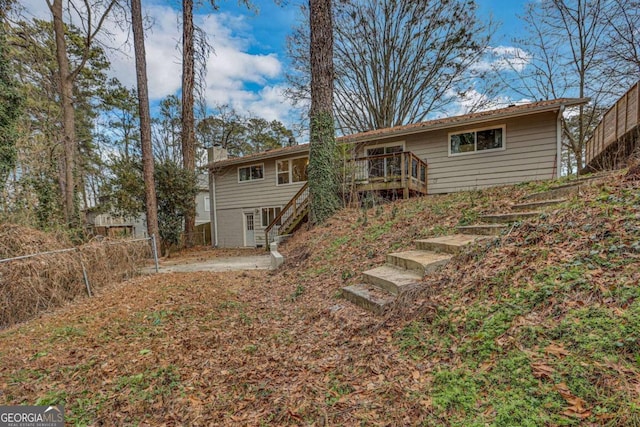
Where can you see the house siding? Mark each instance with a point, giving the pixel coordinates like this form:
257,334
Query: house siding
530,155
230,224
234,198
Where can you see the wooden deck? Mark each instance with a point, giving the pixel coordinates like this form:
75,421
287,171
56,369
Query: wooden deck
616,135
403,172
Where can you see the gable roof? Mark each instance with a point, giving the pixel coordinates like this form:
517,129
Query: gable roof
427,126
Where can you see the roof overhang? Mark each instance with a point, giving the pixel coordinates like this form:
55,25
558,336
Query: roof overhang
272,154
464,120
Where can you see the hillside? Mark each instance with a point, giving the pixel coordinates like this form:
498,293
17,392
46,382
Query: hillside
541,327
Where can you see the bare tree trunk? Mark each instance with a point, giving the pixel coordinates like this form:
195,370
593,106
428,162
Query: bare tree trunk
188,125
321,56
145,119
323,162
68,114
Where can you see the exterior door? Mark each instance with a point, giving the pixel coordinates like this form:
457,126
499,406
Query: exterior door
249,227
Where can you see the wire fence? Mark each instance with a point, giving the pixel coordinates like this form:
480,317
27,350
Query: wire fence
32,283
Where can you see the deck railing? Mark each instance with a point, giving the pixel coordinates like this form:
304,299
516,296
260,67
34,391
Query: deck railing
393,171
289,214
617,122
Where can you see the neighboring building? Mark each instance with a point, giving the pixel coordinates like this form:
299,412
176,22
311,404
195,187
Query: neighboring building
109,224
203,201
112,225
266,192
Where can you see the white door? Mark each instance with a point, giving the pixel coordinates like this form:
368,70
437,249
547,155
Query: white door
249,226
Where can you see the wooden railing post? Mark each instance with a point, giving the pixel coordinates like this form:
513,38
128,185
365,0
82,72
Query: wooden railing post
403,176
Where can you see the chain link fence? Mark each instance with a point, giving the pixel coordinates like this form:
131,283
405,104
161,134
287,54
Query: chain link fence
32,283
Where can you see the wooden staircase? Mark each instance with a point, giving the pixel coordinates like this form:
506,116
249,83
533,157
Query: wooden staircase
290,217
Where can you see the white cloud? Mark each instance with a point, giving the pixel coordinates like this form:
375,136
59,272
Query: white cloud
504,58
474,101
250,82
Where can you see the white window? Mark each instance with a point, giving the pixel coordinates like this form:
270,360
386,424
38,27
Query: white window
207,204
269,214
473,141
251,173
292,170
385,160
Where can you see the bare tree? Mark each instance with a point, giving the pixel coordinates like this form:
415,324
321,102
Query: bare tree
145,119
323,179
569,52
67,77
623,48
397,61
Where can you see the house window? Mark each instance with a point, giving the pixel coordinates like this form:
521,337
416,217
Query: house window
477,140
251,173
385,161
268,215
207,204
292,170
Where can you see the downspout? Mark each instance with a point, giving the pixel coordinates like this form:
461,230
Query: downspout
559,142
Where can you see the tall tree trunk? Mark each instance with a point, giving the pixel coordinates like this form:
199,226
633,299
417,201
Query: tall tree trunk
145,119
65,87
188,124
323,162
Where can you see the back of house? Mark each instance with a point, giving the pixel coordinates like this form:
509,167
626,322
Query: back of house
515,144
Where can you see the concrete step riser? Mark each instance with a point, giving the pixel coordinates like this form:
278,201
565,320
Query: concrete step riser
482,230
439,247
362,299
523,207
415,266
381,283
554,193
451,244
508,218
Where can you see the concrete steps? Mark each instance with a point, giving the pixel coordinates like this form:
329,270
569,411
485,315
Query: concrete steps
403,270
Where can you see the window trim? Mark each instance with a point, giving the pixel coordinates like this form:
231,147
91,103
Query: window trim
289,159
384,145
502,126
249,166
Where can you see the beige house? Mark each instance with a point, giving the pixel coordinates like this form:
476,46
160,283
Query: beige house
258,197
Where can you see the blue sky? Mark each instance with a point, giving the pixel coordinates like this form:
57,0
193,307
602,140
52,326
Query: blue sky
247,69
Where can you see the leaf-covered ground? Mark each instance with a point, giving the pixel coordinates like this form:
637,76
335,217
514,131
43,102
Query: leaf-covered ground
539,328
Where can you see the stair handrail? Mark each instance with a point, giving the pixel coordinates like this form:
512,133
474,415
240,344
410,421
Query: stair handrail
293,203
